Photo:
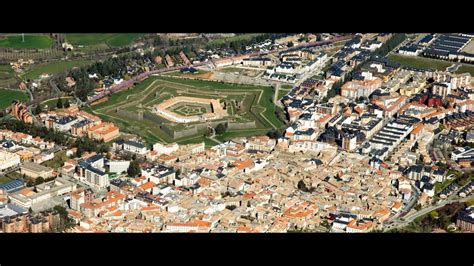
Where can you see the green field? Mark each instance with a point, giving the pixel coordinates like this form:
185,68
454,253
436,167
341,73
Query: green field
31,41
7,96
6,68
466,68
4,179
57,161
282,93
111,39
7,77
53,102
231,70
54,67
255,105
239,37
422,62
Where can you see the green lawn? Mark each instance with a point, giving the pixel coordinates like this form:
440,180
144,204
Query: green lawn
58,160
122,96
54,67
264,102
239,37
282,93
52,102
6,68
119,40
31,41
466,68
422,62
257,102
241,133
7,96
112,39
4,179
231,70
440,186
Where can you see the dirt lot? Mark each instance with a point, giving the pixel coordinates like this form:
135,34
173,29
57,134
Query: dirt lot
469,47
206,75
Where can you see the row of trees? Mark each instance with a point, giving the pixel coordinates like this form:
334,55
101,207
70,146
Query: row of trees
390,44
60,104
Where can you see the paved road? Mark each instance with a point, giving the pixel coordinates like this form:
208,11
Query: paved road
411,217
275,95
213,137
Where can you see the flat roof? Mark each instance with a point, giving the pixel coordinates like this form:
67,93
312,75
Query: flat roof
35,167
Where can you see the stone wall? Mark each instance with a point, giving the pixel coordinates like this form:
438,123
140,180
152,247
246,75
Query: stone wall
236,125
130,115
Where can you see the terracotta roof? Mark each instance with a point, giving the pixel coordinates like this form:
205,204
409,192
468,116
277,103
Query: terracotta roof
147,185
242,164
417,129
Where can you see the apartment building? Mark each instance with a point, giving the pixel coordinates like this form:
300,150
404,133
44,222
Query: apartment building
130,146
391,135
360,88
20,112
104,131
8,160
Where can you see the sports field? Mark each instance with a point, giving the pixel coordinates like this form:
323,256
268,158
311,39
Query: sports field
243,104
31,41
53,68
111,39
7,96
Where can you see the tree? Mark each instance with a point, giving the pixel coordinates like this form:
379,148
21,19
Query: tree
274,134
39,180
325,223
221,129
157,41
59,104
134,169
30,210
290,44
65,221
38,109
66,104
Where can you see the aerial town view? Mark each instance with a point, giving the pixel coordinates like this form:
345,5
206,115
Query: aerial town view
237,132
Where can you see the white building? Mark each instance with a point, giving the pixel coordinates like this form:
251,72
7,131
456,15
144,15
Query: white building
118,166
27,198
130,146
8,160
96,177
165,148
462,153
